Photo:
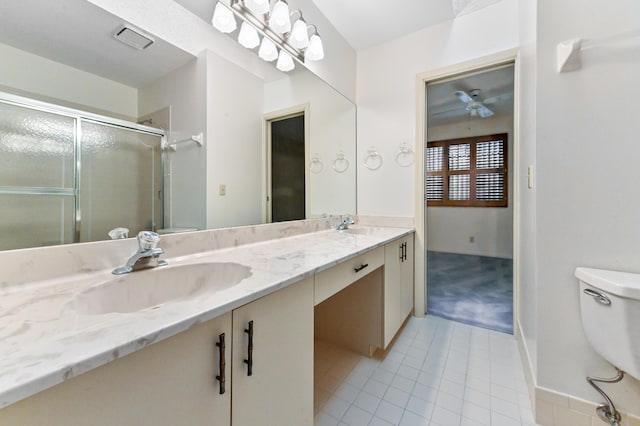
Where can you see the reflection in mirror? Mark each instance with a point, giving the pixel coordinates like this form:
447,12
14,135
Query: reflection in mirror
57,179
74,61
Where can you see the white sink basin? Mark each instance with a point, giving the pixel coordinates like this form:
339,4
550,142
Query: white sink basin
148,288
360,230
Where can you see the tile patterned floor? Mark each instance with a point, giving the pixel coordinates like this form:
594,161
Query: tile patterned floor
437,373
476,290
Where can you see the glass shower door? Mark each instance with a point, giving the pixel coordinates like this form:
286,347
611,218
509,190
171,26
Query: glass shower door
37,177
121,180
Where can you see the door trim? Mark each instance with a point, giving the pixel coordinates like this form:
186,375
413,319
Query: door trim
507,56
267,118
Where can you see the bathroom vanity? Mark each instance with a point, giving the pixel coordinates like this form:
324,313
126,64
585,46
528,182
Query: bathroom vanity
240,354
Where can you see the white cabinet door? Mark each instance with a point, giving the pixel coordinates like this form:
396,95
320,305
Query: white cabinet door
407,277
172,382
392,290
279,390
398,285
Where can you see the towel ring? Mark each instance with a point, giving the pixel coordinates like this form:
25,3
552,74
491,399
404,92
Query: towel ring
372,159
340,164
316,165
404,155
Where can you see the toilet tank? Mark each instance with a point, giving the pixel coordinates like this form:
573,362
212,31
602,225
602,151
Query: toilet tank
610,310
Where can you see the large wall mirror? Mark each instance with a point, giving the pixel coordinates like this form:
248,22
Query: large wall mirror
215,139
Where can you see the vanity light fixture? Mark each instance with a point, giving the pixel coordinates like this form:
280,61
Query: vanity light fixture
248,36
285,34
315,51
285,62
279,20
299,37
223,19
268,51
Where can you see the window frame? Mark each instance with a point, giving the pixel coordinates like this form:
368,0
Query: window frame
472,172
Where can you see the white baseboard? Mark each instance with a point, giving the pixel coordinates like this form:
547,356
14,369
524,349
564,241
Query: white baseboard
551,408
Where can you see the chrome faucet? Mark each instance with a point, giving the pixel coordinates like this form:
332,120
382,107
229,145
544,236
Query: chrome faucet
345,223
147,255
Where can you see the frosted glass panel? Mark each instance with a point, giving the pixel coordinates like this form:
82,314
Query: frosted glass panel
121,181
35,220
36,148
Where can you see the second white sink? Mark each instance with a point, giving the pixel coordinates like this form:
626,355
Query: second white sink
145,289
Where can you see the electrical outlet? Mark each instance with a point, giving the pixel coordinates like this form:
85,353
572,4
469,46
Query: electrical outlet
222,189
472,239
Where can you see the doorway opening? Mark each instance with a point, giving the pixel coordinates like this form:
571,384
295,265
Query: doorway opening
469,200
287,186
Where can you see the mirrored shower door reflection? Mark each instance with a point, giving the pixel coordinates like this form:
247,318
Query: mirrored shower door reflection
65,178
120,180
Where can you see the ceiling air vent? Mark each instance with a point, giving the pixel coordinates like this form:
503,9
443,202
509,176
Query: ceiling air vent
133,37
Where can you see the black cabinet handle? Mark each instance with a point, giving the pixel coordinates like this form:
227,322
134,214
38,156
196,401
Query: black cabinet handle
360,268
221,363
404,251
249,360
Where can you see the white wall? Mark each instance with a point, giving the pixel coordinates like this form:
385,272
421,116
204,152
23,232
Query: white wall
386,95
332,121
26,74
234,144
449,228
184,91
587,182
525,271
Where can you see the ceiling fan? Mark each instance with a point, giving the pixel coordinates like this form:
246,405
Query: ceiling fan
473,105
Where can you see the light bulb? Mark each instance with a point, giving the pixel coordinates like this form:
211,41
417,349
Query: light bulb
285,62
257,7
223,19
299,38
315,51
279,20
268,50
248,36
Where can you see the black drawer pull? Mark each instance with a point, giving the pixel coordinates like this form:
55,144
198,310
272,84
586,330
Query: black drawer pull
249,360
360,268
221,363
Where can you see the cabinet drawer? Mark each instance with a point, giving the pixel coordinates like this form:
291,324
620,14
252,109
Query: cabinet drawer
331,281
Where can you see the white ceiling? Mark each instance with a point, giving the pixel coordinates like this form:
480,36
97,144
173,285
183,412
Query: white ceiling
366,23
79,34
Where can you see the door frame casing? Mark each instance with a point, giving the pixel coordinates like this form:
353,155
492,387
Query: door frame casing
267,118
420,266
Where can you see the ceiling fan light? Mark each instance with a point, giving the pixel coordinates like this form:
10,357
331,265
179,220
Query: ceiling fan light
473,112
315,50
285,62
248,36
223,19
257,7
299,38
279,20
268,50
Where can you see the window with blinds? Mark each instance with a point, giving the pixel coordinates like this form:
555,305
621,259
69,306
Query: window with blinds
468,172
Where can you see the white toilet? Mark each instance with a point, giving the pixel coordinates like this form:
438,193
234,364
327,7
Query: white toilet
610,309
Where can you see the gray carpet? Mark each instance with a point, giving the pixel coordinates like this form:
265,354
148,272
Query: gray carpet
476,290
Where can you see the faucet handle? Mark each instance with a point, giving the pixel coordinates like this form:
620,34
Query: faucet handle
148,240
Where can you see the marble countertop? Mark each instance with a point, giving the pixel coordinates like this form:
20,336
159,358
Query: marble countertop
45,339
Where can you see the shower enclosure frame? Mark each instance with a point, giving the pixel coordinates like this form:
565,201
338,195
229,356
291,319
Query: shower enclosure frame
79,117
